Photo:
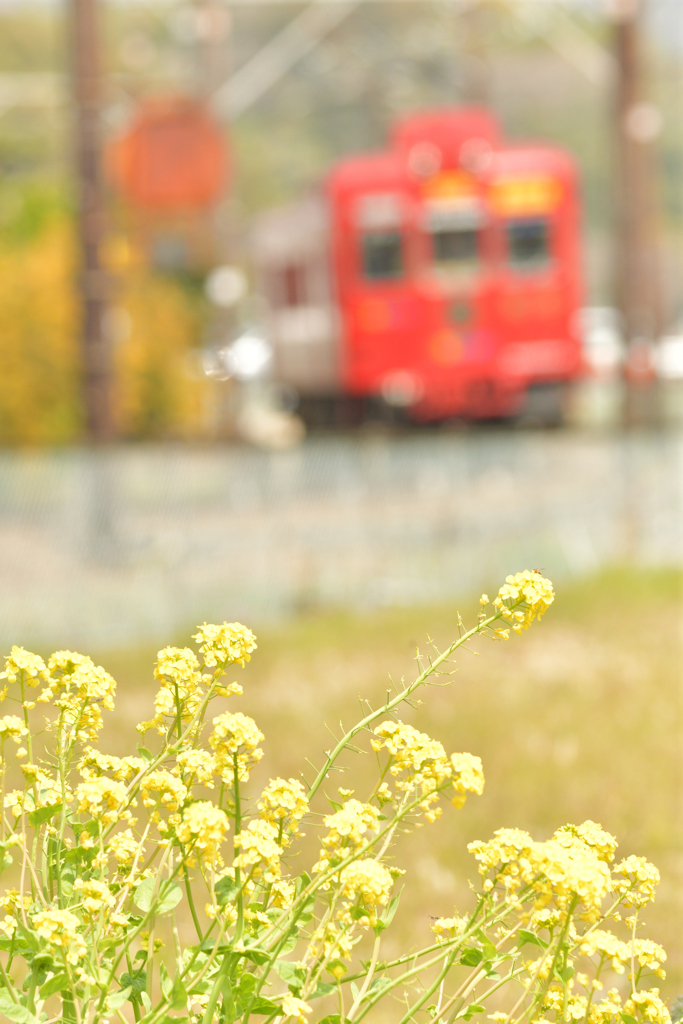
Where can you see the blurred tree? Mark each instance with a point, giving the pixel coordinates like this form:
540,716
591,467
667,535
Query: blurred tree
154,325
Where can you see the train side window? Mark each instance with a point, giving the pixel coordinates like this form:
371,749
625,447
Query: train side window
528,243
382,255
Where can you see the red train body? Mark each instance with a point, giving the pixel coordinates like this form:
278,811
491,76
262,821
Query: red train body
441,275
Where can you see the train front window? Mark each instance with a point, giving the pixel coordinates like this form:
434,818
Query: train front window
528,243
454,236
456,248
382,255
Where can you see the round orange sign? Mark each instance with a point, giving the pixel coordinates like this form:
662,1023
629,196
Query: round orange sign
173,156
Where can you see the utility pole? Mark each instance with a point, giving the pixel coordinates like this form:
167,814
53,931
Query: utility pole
93,284
637,256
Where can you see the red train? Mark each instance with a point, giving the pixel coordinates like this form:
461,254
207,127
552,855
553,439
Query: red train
441,276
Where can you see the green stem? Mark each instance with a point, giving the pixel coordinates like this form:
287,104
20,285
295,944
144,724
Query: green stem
190,900
429,991
389,705
8,983
368,977
238,828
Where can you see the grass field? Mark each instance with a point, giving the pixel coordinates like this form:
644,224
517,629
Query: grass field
578,718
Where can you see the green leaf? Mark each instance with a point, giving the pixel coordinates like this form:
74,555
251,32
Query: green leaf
178,997
487,947
292,974
471,1010
302,882
226,890
564,974
5,855
336,965
56,984
388,915
29,937
332,1018
42,814
165,980
166,1019
306,912
117,999
145,753
290,942
471,957
168,896
265,1007
256,956
137,983
245,992
628,1019
524,936
230,1010
209,945
324,988
378,985
15,1011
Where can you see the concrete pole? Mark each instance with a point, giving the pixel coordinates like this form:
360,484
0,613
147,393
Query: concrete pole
638,284
637,121
93,284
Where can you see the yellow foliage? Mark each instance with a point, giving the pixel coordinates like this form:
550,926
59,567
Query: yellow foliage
156,394
39,365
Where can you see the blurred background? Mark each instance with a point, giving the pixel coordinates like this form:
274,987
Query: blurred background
250,370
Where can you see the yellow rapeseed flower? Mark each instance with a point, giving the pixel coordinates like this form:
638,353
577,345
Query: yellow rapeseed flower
347,828
162,790
524,597
79,688
368,879
12,728
197,766
229,644
259,850
638,883
201,829
95,896
103,798
235,737
468,777
124,846
609,947
20,662
649,1006
283,803
292,1006
60,930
